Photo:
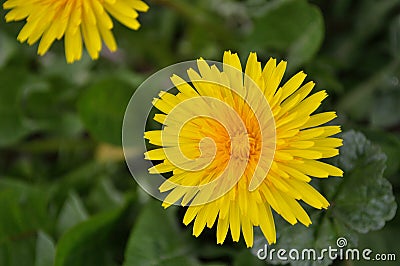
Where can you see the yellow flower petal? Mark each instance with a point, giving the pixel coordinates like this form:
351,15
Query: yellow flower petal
75,20
282,175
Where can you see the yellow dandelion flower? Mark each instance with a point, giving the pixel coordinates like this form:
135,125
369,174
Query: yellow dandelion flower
240,145
49,20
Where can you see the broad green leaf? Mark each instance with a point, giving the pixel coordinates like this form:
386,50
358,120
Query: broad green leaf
363,200
72,213
156,240
45,250
102,107
86,243
300,37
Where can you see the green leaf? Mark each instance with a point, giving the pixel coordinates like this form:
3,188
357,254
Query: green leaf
54,67
385,110
372,16
300,36
156,240
245,258
23,208
105,196
363,200
7,48
72,213
45,250
102,107
18,252
362,22
382,242
23,212
79,179
395,37
86,243
13,125
390,144
357,102
49,104
323,72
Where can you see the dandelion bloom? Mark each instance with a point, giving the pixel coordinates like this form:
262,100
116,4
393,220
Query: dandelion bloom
49,20
239,145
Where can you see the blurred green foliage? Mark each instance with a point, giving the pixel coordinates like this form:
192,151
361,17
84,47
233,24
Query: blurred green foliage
66,196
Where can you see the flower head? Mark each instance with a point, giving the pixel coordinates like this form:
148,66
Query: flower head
240,145
49,20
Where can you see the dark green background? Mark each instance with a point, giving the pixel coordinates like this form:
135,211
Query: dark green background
66,195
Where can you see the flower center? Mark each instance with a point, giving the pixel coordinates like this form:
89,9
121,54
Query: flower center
242,146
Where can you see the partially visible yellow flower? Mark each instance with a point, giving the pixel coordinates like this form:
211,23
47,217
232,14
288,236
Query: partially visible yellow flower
49,20
240,146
